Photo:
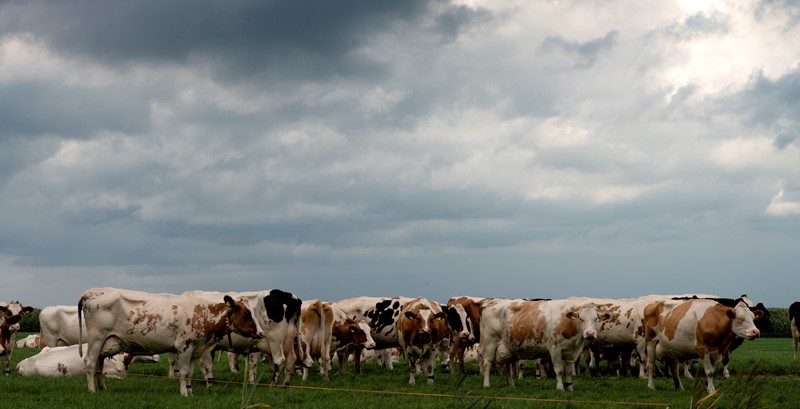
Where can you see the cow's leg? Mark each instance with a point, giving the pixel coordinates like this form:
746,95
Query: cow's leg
342,354
509,372
489,353
672,364
206,364
101,377
708,367
185,371
324,365
90,359
558,367
651,364
412,368
625,357
251,360
172,359
357,358
430,366
233,362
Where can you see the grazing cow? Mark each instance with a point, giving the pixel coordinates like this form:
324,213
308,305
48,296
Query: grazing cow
12,312
65,361
705,329
421,327
31,341
59,325
142,323
381,314
463,320
325,329
794,312
518,329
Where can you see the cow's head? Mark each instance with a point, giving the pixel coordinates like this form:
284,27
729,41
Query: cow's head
586,320
357,332
742,320
424,324
240,319
459,322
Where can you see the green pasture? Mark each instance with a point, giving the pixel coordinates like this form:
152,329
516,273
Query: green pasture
763,371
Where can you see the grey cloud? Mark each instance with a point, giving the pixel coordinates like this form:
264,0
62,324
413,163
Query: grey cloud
585,54
452,21
250,38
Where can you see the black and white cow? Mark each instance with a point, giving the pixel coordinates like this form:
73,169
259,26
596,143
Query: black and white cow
381,315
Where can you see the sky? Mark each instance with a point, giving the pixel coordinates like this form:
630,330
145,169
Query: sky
523,149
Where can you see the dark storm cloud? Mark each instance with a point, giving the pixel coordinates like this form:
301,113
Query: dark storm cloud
584,54
773,104
253,36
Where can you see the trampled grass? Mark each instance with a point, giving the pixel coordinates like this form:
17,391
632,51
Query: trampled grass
147,386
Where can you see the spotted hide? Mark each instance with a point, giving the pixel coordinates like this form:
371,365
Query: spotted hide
66,361
680,330
143,323
381,314
421,327
517,329
11,314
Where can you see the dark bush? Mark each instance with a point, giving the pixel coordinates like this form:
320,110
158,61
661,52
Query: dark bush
30,321
780,324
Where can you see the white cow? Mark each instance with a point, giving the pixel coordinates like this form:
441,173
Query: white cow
59,325
31,341
143,323
517,329
66,361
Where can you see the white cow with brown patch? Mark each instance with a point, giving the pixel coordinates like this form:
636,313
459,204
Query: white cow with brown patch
704,329
517,329
421,327
143,323
66,361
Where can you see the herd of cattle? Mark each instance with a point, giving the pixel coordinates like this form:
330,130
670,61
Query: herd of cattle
110,328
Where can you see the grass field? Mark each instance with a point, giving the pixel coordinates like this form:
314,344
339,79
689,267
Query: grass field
147,386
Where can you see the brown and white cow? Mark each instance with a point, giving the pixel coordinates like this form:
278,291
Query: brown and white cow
31,341
142,323
619,335
325,329
12,314
518,329
59,325
421,327
463,321
381,314
279,325
681,330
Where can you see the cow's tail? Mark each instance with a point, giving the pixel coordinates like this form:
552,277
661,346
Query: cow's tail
80,327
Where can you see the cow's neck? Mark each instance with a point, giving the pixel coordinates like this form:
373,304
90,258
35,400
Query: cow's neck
342,334
220,328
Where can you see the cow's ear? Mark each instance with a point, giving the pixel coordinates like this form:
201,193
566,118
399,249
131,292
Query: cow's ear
228,301
26,310
440,315
13,319
353,329
572,315
605,316
410,315
5,310
758,314
731,313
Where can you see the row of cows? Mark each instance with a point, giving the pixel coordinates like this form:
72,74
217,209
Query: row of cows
287,331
